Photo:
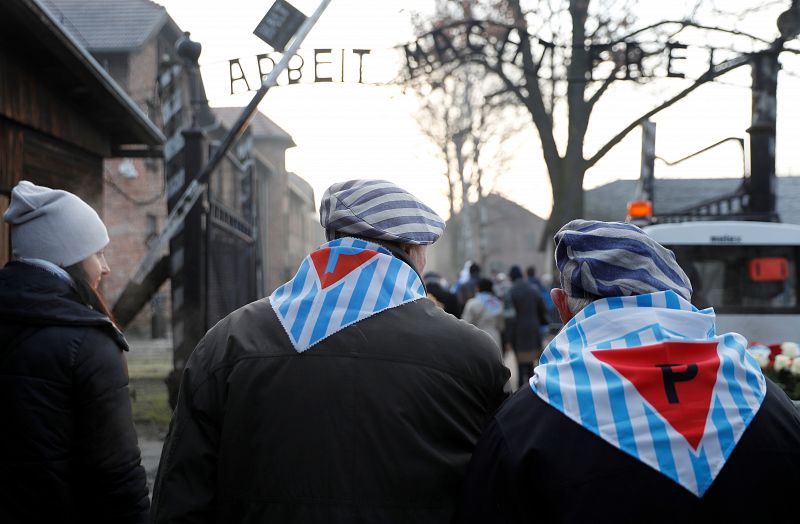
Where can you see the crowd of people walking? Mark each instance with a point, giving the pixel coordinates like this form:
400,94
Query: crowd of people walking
515,310
354,393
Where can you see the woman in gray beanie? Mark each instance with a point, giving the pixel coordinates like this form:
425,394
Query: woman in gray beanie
68,449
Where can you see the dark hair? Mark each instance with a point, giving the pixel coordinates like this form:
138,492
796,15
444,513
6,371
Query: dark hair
474,270
88,295
515,273
432,279
484,284
531,271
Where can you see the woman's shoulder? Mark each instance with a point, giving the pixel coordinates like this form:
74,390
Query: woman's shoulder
55,352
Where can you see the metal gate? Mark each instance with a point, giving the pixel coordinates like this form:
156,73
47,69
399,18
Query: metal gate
230,261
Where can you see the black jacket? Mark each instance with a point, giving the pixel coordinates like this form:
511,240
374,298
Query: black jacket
530,314
68,449
533,464
375,423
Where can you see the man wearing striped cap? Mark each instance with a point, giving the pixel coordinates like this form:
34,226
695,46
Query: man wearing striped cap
346,396
639,411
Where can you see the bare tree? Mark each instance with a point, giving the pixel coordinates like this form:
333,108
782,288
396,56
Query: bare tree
468,122
558,58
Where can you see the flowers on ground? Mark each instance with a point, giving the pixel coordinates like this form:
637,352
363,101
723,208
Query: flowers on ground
780,363
762,354
790,349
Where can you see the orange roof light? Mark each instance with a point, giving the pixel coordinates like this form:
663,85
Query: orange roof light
640,209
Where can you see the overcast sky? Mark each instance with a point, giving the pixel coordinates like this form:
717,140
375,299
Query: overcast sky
347,130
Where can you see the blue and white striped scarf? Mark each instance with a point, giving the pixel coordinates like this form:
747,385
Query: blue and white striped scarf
342,282
649,375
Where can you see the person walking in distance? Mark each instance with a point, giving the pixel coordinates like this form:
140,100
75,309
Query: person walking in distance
530,315
639,410
467,288
345,396
448,300
485,311
68,448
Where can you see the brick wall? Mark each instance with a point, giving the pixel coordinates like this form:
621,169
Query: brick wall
134,197
131,221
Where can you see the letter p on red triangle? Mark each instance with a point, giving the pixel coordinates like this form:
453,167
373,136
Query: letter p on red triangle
343,264
676,378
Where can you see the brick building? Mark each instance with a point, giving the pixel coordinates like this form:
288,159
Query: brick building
61,114
129,39
134,40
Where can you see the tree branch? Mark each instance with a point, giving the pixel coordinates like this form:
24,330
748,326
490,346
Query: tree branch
689,23
745,12
534,101
602,89
541,119
578,70
708,76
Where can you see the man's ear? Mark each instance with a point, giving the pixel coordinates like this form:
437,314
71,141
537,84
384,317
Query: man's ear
560,300
416,254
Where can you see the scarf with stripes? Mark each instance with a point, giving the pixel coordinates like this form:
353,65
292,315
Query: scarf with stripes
649,375
342,282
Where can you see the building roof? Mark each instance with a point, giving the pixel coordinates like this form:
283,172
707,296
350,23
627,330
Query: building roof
608,202
261,127
502,204
72,71
512,235
110,25
301,188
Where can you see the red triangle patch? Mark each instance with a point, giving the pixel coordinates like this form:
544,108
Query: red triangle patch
676,378
345,263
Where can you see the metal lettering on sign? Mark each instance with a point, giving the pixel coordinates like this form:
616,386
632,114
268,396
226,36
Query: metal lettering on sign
279,24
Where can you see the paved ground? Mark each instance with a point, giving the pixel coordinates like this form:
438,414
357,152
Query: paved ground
151,453
149,361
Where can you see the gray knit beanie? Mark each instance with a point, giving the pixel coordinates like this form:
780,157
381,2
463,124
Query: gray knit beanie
53,225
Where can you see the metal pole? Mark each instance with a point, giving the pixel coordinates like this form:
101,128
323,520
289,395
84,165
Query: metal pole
198,183
247,115
762,133
647,173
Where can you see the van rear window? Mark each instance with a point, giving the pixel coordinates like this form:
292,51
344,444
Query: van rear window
731,278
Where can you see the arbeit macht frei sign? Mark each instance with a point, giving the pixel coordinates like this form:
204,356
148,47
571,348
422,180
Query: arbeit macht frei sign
477,41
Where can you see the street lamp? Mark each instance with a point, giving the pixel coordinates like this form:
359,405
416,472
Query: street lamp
189,51
789,21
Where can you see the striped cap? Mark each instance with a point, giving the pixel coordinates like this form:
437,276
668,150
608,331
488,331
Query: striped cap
612,259
379,210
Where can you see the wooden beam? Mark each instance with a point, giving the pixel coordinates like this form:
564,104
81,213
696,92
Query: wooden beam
135,296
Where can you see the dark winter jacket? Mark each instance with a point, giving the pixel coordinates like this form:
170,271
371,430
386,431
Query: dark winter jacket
533,464
530,313
375,423
68,449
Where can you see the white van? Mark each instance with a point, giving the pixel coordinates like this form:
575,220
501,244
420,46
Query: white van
746,271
